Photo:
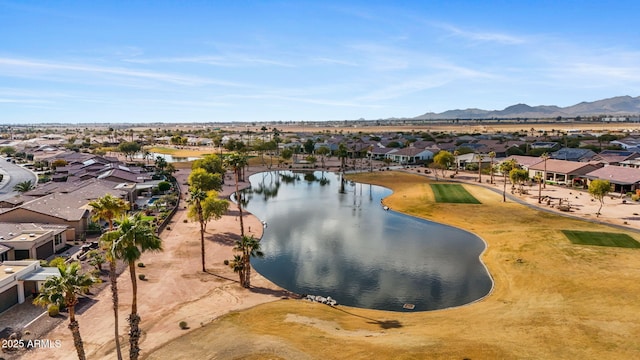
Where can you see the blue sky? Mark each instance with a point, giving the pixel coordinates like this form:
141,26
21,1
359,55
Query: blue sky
215,61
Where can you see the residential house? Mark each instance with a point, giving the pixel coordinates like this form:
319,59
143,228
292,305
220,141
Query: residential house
615,157
573,154
622,179
627,143
32,241
21,279
68,208
562,171
409,155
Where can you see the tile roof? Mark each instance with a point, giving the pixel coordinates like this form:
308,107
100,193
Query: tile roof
616,174
565,167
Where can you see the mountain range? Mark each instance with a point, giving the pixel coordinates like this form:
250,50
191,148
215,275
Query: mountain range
616,106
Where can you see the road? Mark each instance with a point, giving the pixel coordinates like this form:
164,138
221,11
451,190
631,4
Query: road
17,174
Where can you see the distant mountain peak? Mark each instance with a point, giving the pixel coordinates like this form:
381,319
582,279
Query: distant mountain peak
619,105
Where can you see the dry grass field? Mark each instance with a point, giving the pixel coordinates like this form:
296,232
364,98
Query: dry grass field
459,128
551,300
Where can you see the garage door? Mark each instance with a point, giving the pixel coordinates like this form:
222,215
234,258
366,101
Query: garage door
9,298
44,251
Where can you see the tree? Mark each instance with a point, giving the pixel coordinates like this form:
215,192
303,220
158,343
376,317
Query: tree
129,148
108,208
444,159
519,176
480,158
545,157
456,153
8,150
135,237
286,154
24,186
235,162
213,207
65,289
309,146
96,259
164,186
211,163
492,156
161,164
196,197
598,189
506,167
58,163
205,181
323,151
342,155
249,246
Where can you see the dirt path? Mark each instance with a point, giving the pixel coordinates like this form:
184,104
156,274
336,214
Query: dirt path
175,290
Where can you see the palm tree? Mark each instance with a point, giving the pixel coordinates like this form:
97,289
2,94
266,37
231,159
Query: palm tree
492,155
108,208
342,155
456,153
236,161
136,237
196,197
480,158
24,186
64,289
505,167
545,157
250,247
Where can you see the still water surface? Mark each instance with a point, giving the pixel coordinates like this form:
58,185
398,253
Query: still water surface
322,241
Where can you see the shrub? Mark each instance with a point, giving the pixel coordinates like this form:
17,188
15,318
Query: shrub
140,264
635,197
185,221
183,325
226,262
168,227
142,277
53,310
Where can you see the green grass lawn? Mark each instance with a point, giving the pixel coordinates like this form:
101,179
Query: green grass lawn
452,193
148,218
601,239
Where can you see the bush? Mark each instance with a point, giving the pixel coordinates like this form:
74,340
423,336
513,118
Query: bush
142,277
635,197
185,221
226,262
53,310
183,325
140,264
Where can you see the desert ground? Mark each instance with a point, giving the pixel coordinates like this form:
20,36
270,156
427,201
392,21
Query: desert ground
486,127
551,299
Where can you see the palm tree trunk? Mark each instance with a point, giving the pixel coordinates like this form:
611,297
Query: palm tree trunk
246,259
134,318
238,200
504,190
113,278
202,244
134,336
75,331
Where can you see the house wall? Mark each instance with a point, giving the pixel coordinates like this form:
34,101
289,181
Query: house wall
22,215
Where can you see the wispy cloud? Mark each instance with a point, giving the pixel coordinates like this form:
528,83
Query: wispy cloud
225,61
11,65
480,36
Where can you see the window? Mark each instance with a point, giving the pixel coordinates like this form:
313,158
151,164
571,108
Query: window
57,239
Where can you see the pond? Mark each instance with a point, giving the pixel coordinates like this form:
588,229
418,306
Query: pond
167,157
332,238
